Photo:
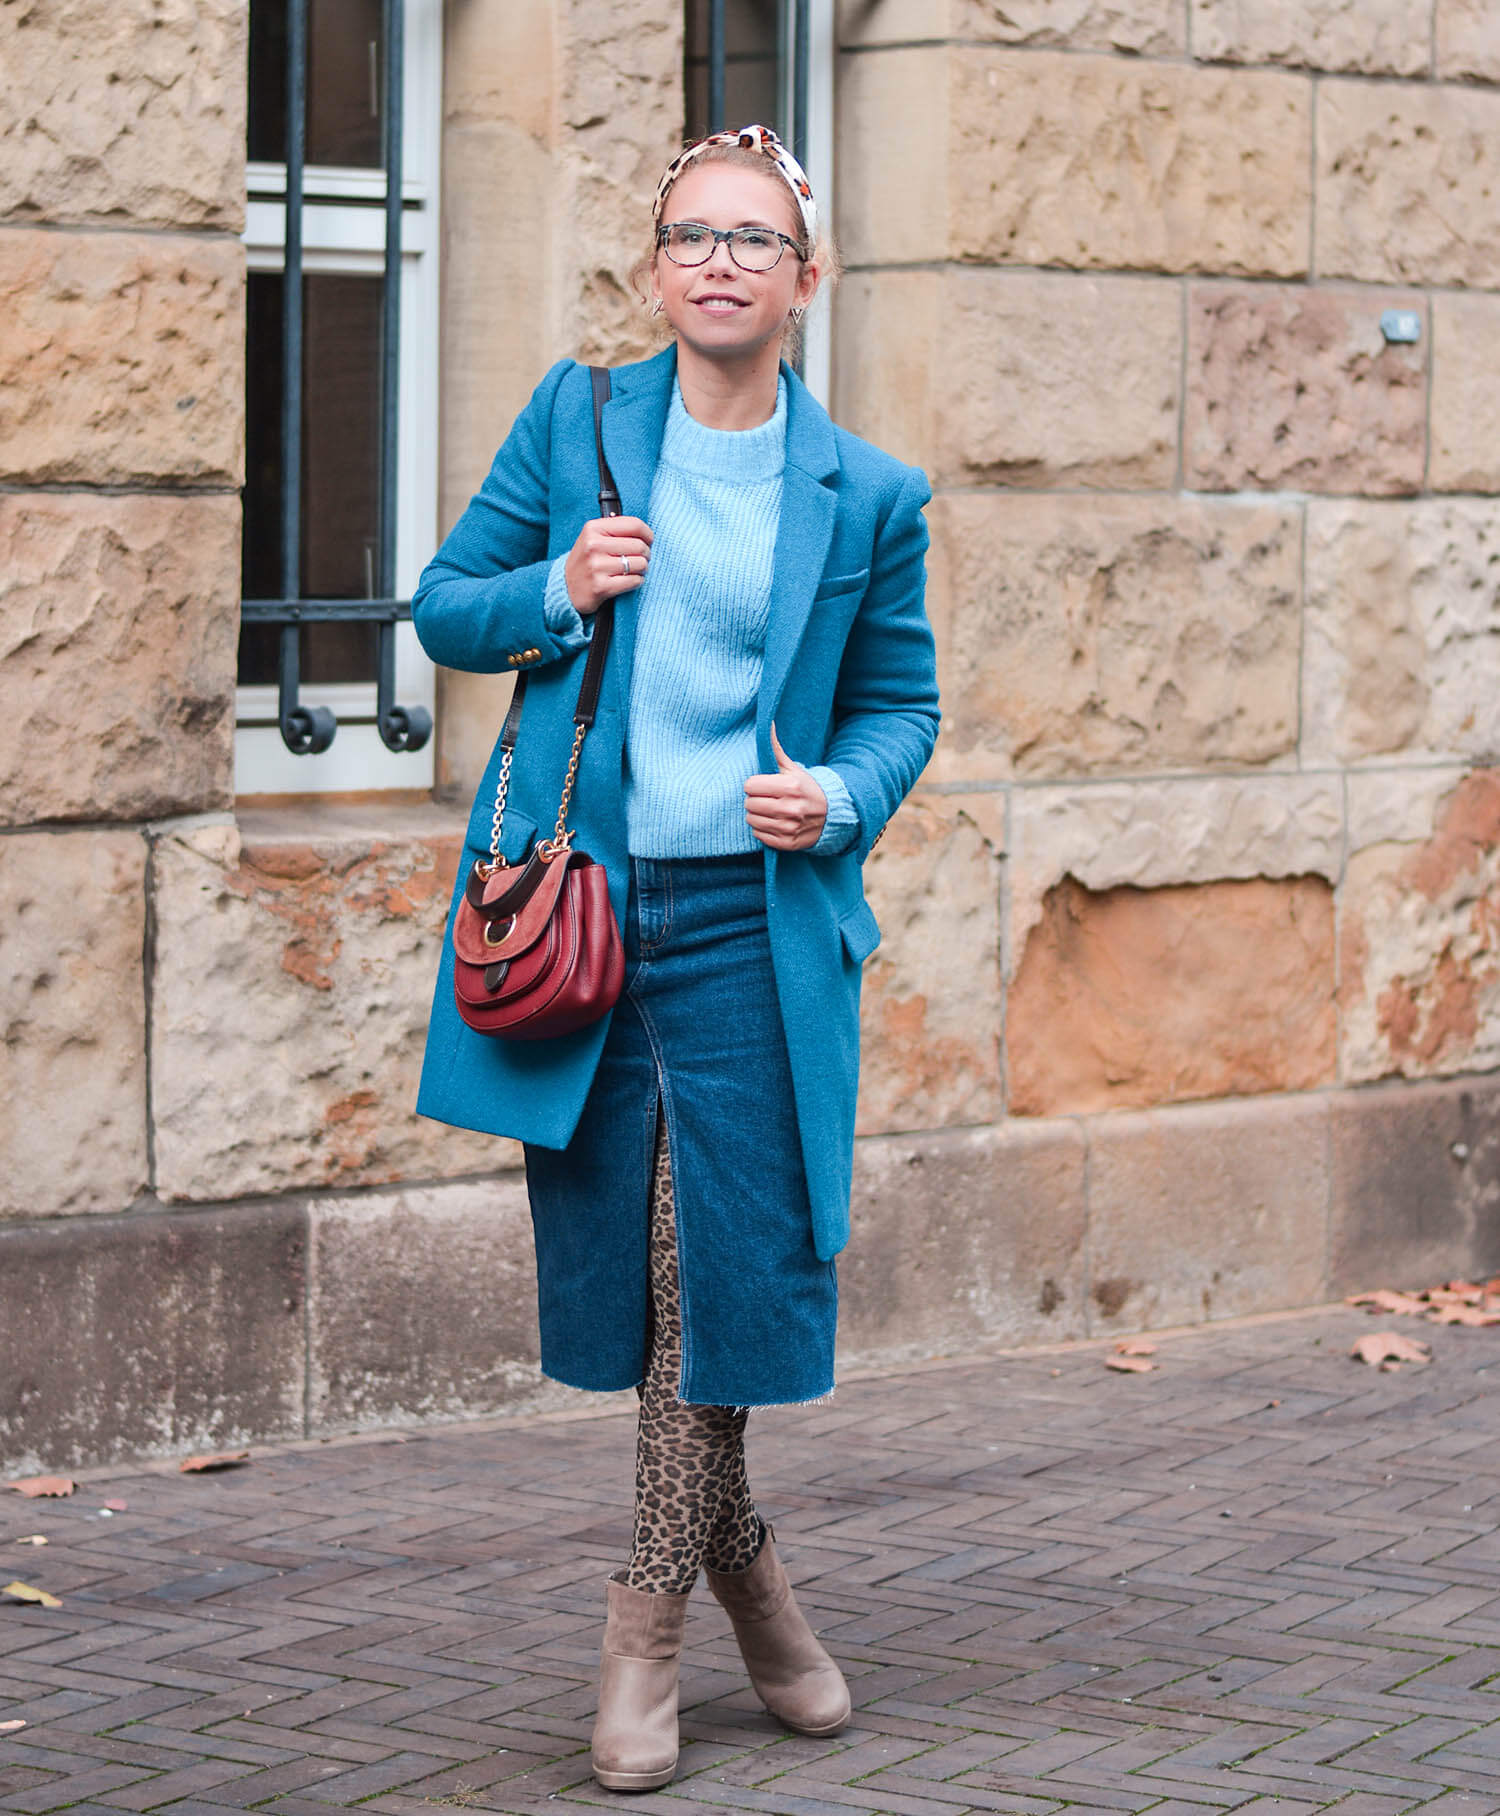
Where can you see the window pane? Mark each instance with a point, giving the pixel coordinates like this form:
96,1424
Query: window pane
751,87
344,47
340,468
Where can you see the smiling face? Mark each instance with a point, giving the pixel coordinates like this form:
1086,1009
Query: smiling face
716,308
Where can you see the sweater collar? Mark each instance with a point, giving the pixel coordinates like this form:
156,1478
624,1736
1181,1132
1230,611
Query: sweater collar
740,455
643,394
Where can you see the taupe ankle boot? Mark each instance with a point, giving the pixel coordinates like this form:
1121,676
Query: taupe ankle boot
635,1731
792,1674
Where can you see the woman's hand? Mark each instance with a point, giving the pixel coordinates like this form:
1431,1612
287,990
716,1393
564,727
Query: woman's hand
785,811
610,557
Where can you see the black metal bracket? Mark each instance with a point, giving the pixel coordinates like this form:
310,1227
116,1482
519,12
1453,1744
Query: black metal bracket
308,730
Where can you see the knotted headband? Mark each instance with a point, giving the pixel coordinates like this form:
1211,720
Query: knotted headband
749,138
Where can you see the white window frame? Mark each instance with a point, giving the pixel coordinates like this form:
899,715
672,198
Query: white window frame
340,237
817,345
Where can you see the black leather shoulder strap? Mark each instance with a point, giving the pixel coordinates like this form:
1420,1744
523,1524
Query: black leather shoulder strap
604,618
609,497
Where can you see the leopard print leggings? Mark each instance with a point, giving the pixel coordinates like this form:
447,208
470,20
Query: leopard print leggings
692,1496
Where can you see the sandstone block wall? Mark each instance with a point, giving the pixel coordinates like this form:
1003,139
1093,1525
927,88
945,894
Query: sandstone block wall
1188,1002
1216,588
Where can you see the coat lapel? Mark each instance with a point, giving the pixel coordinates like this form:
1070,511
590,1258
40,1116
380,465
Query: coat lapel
809,504
634,422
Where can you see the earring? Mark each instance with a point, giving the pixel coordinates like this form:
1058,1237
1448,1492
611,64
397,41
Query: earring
657,306
798,311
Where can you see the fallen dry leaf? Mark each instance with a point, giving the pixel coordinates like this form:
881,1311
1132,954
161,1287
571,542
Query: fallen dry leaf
116,1507
35,1486
1129,1365
32,1538
23,1592
9,1727
222,1459
1462,1314
1390,1346
1135,1346
1404,1305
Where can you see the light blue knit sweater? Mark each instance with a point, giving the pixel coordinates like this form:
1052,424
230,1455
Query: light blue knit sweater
700,642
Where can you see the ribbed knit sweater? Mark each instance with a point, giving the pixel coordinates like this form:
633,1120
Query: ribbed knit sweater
700,642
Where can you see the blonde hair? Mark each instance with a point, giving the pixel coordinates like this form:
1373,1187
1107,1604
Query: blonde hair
823,251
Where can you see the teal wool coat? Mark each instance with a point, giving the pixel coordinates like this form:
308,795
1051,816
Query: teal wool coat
849,678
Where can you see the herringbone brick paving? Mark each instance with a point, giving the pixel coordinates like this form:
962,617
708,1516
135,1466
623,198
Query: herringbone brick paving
1262,1579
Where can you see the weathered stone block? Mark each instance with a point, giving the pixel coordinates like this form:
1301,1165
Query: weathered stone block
422,1305
618,107
1416,1185
1081,635
1375,37
1419,950
1022,378
972,1237
1402,630
72,1005
1406,183
1396,804
1145,27
150,1335
1297,389
294,965
1158,833
496,184
497,56
1059,159
123,358
124,112
893,156
118,625
1467,42
1151,996
1465,393
1213,1211
931,1008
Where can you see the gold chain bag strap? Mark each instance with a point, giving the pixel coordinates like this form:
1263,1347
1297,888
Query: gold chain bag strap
536,949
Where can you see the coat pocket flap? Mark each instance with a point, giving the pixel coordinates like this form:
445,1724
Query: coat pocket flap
831,585
861,932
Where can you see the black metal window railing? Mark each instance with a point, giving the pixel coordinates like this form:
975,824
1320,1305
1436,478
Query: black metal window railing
308,730
749,60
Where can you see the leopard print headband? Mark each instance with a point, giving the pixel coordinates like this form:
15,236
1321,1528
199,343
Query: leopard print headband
751,138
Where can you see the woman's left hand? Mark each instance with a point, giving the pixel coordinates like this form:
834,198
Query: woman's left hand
785,811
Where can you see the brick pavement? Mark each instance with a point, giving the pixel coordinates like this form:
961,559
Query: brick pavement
1261,1579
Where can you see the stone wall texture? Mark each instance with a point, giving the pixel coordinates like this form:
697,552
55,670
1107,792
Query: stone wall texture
125,112
119,618
117,365
1187,1004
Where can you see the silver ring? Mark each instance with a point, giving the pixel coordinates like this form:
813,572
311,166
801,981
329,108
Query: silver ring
625,563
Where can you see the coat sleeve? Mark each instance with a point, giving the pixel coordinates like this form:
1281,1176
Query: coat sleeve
481,599
885,709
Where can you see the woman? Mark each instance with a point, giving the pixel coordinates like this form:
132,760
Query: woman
768,700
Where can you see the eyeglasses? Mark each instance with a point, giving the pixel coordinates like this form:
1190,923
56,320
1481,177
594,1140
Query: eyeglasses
751,248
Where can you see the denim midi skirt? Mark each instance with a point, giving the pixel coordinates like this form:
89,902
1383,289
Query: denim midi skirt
697,1030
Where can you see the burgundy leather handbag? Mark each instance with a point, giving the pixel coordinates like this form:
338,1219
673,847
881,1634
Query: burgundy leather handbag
536,947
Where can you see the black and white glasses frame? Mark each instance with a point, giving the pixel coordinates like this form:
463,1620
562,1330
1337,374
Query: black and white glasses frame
676,239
